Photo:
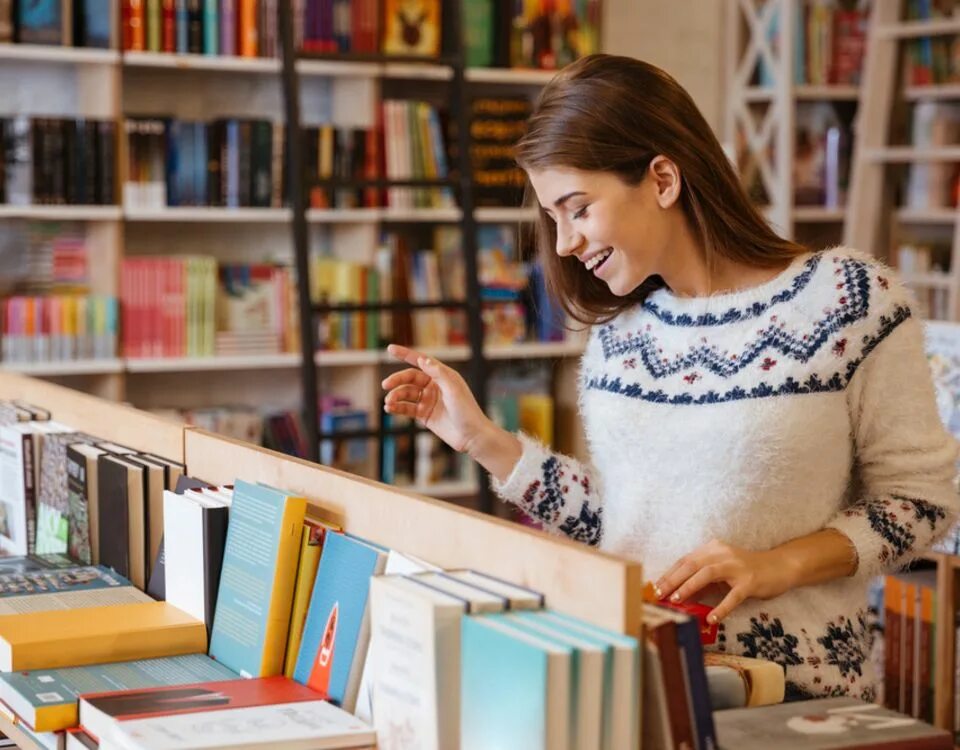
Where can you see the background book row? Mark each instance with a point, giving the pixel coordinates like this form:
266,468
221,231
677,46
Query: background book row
930,60
58,328
47,160
71,23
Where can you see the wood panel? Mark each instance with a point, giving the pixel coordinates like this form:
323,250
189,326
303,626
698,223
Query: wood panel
597,587
117,423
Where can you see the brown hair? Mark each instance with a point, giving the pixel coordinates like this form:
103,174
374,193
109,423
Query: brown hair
606,113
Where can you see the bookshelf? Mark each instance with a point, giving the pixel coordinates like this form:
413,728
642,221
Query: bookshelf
902,201
601,588
345,90
780,90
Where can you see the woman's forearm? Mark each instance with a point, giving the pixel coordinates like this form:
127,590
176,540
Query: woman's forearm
819,557
496,450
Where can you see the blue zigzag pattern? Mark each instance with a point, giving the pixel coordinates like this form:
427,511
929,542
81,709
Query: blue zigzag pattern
735,314
773,337
813,384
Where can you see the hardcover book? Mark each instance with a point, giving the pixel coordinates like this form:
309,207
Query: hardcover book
412,27
47,699
65,588
102,713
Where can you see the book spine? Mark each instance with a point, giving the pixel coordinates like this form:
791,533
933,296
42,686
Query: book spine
195,27
29,491
247,26
106,162
154,25
182,26
211,27
228,27
168,35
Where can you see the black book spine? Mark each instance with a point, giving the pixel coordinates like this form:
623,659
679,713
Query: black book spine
106,162
261,156
39,176
72,174
214,163
5,148
195,26
88,154
58,161
246,181
113,515
214,544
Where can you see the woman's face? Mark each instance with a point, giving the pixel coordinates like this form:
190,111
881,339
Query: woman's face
617,231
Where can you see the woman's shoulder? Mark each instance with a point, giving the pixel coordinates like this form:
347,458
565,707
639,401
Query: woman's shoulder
862,286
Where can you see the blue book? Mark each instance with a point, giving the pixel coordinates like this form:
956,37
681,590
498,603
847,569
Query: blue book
250,624
586,676
514,688
41,22
621,720
93,21
337,631
211,27
183,22
232,165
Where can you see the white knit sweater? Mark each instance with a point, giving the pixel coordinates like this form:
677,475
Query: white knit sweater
755,418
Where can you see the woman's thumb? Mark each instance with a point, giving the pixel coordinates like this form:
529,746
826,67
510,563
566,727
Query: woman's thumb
430,366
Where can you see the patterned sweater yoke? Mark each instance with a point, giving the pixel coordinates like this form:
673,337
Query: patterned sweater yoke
754,418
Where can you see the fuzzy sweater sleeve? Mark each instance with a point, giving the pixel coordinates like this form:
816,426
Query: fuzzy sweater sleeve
554,489
905,459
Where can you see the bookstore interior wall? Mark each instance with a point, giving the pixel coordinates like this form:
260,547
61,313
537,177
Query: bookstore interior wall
115,248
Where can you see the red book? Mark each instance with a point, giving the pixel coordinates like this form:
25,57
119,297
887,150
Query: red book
168,34
101,711
699,612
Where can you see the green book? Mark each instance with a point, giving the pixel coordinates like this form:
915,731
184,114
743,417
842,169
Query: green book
47,699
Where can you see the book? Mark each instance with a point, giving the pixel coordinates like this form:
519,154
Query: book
122,510
478,600
102,713
77,739
411,27
252,615
74,637
195,534
48,699
337,631
826,724
416,684
311,544
17,487
397,564
518,597
34,563
515,688
83,519
43,22
65,588
313,725
587,677
762,682
621,719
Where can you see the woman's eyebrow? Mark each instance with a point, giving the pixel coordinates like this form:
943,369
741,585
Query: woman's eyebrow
564,198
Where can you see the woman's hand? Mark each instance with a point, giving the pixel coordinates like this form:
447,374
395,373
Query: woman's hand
742,574
437,397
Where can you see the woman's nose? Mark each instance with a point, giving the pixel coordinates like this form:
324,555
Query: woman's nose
568,241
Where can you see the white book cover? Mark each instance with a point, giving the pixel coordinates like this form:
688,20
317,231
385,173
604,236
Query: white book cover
313,725
397,564
17,488
416,682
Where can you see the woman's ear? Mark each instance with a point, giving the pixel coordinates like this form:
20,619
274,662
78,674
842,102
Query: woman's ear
667,179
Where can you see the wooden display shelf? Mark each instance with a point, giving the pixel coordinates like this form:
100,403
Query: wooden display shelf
195,62
50,53
68,367
211,214
511,76
61,213
927,215
914,29
911,154
929,280
505,215
814,214
833,92
933,91
195,364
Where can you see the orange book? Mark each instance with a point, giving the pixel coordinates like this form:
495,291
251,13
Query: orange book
249,33
97,635
135,31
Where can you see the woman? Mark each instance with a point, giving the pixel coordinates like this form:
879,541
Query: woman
761,420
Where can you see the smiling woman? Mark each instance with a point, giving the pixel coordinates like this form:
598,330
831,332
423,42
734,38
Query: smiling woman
761,420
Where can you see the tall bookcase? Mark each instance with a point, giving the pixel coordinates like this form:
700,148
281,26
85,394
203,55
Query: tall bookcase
39,80
882,218
768,85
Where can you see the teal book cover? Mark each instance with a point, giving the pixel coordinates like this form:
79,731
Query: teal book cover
251,559
47,698
506,683
336,633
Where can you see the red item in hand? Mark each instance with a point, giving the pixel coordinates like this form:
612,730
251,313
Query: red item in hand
698,611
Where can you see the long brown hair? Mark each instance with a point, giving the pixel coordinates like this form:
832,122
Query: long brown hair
606,113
